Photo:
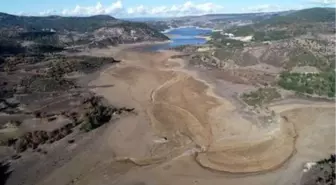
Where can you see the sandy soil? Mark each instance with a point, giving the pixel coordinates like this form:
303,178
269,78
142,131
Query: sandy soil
184,133
185,110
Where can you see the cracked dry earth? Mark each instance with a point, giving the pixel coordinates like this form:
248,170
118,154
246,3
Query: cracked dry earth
183,133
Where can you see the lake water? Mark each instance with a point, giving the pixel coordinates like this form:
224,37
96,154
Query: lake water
180,37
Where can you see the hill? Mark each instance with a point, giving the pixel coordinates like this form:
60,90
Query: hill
99,30
303,16
289,24
57,23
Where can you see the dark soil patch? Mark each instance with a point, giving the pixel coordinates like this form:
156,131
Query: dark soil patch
323,173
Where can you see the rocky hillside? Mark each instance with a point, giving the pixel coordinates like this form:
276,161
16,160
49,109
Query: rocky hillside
94,31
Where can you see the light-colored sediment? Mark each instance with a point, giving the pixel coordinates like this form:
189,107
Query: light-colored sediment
183,108
182,129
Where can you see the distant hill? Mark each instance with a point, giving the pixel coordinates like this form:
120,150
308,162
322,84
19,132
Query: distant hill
289,24
303,16
58,23
69,31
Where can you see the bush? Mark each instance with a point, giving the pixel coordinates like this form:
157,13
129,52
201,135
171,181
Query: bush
227,43
322,84
302,57
270,35
261,96
10,47
96,115
242,31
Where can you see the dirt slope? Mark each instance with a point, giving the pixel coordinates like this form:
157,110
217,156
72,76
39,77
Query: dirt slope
183,133
184,110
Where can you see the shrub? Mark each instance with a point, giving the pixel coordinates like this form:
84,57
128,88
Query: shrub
322,84
96,116
261,96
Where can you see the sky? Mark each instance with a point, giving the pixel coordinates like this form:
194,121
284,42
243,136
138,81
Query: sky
152,8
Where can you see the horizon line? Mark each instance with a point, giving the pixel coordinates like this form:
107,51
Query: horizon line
159,17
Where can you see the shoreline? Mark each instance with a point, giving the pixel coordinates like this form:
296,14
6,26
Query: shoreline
200,36
200,28
207,38
143,44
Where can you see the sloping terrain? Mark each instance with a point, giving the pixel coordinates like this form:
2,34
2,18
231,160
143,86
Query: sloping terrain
302,16
45,106
215,21
230,112
173,117
95,31
296,54
296,23
182,129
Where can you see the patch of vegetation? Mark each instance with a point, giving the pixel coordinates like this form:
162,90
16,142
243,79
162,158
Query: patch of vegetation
332,59
307,58
224,53
33,35
203,59
224,42
44,48
260,34
185,48
129,26
6,91
63,65
42,83
38,137
24,58
5,171
289,24
86,24
261,96
65,31
306,15
54,79
242,31
57,23
322,173
271,35
42,37
322,84
8,105
10,47
158,25
216,35
96,115
330,160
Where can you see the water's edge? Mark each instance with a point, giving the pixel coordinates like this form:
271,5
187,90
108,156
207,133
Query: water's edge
186,35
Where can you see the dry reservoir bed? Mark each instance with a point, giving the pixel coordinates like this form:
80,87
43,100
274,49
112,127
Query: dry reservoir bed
183,112
183,129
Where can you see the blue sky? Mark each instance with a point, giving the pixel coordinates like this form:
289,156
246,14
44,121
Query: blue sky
152,8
